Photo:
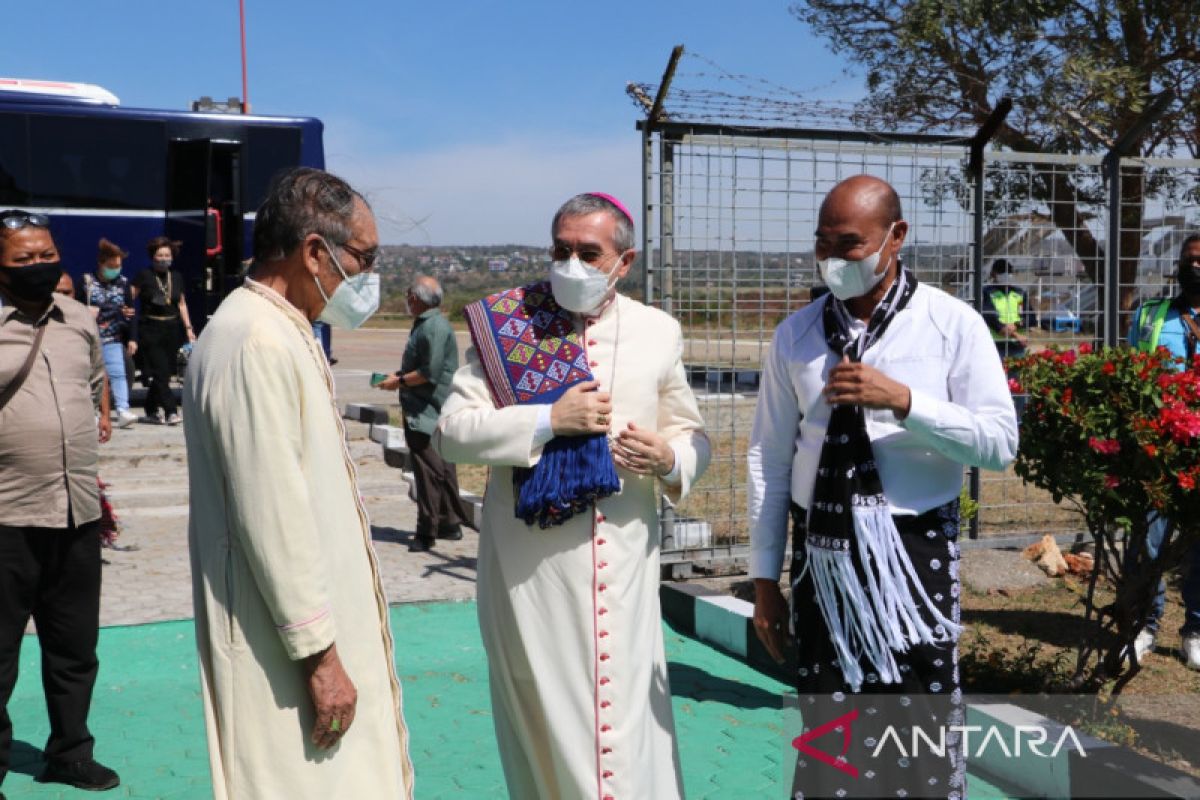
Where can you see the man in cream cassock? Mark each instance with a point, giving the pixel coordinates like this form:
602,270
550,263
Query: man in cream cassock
301,698
576,397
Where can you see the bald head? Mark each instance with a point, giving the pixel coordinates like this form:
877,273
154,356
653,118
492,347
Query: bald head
867,198
860,217
424,294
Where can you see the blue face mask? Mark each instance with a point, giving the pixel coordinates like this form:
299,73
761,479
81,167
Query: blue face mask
110,273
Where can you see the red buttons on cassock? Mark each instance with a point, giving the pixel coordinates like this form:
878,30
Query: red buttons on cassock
608,773
605,728
600,518
605,751
602,564
593,363
609,797
601,541
604,681
603,634
602,587
605,704
604,656
591,342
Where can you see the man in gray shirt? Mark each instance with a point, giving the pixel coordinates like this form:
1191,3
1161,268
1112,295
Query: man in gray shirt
429,363
51,385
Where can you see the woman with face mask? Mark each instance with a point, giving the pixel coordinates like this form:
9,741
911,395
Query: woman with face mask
108,295
163,309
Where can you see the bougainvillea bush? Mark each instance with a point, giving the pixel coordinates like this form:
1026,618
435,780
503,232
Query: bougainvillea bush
1116,434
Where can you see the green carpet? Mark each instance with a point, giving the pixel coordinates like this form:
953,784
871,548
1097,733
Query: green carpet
148,723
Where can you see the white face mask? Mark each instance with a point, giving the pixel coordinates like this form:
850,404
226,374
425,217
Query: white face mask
847,279
1003,279
353,301
580,287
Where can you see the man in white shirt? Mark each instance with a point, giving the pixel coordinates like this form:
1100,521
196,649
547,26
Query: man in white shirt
872,400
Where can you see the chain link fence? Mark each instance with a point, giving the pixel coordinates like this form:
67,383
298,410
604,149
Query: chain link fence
730,214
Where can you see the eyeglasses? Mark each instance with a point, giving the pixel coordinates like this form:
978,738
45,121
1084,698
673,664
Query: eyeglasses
365,258
561,252
14,222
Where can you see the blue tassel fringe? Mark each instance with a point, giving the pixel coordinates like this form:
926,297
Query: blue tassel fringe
573,473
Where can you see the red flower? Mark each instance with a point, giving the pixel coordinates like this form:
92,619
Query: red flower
1112,481
1108,447
1186,482
1151,450
1068,358
1109,368
1014,386
1085,349
1176,420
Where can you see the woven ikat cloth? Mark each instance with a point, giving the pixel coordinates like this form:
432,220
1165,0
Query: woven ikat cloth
527,345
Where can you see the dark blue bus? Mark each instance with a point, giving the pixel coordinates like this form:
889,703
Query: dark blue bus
130,174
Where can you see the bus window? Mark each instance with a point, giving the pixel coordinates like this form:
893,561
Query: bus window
268,151
82,162
14,161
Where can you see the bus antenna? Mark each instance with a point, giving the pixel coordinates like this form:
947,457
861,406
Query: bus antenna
245,81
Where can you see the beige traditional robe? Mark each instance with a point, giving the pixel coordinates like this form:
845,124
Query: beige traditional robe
570,615
282,564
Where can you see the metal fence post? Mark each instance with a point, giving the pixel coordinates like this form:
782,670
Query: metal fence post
647,215
975,170
1112,251
666,222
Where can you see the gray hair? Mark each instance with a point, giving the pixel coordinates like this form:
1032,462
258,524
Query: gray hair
427,290
300,201
583,204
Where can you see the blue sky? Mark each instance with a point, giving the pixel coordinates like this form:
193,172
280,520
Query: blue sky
465,123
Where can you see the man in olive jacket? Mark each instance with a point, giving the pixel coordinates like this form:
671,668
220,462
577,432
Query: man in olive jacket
430,360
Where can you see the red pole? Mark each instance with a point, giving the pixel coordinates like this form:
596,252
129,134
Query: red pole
245,81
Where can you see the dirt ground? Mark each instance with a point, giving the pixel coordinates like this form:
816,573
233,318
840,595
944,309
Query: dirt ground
1032,633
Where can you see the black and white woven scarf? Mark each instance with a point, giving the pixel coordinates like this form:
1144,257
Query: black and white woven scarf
870,596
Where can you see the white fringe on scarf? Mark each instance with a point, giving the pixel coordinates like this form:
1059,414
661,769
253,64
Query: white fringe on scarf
887,618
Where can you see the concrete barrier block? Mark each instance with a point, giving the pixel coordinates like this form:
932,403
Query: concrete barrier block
387,435
476,503
365,412
397,457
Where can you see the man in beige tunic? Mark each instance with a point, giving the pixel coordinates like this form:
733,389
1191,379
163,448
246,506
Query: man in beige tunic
570,614
301,698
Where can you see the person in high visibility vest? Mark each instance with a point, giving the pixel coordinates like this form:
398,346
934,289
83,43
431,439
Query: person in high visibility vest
1171,322
1007,310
